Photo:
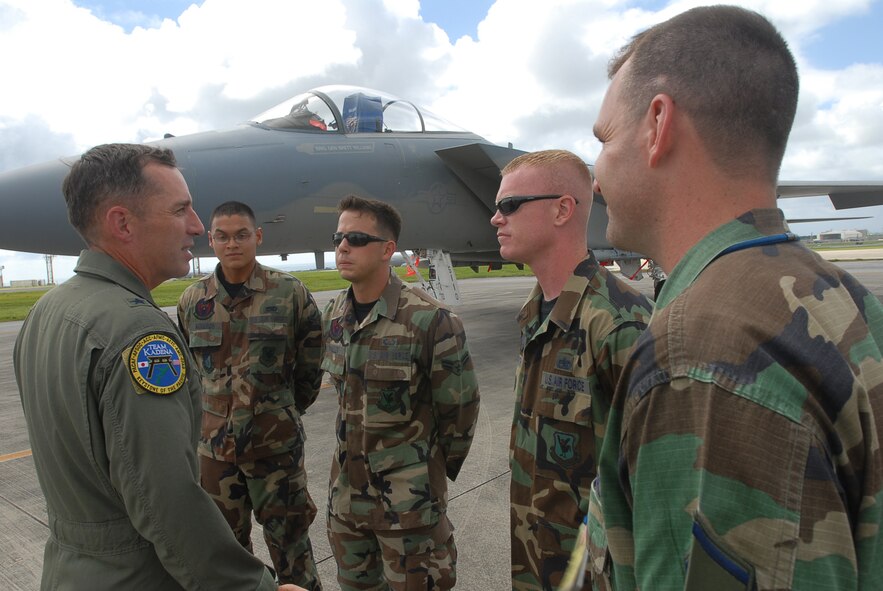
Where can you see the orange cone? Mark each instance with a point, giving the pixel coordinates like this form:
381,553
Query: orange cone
411,270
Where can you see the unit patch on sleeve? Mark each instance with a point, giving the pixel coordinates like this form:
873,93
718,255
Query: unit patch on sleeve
157,364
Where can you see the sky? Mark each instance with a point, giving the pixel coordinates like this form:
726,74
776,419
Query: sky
80,73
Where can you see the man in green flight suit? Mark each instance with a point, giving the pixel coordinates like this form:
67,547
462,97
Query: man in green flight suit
408,407
256,335
110,396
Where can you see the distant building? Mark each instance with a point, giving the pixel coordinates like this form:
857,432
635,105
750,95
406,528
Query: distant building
842,236
27,283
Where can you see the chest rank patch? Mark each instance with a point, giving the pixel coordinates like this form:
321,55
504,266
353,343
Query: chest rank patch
204,309
157,365
453,366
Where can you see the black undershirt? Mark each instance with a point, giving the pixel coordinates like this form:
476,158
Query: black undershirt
546,308
233,289
362,310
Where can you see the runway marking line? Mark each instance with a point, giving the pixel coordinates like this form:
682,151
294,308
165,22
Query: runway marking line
15,456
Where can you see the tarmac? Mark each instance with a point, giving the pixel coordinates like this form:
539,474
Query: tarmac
479,499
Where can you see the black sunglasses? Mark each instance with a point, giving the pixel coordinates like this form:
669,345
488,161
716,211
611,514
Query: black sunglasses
354,238
509,205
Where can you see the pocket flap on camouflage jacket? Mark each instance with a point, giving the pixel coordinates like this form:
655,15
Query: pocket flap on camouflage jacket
573,408
388,373
405,454
282,398
216,405
267,330
207,334
333,361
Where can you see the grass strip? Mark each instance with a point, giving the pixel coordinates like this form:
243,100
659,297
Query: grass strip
14,305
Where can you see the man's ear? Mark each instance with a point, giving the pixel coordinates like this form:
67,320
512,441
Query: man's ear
566,209
660,129
389,249
117,222
259,236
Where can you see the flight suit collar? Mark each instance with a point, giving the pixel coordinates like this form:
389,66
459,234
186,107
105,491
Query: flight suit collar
748,226
565,309
99,264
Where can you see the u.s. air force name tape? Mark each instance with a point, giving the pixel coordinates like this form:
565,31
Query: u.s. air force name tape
157,364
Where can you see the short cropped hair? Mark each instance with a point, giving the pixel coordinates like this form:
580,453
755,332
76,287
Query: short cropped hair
229,208
388,219
730,70
107,175
552,159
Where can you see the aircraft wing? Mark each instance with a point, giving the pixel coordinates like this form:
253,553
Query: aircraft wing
478,166
807,220
843,194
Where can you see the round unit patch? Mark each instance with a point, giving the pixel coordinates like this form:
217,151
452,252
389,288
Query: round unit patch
204,309
157,365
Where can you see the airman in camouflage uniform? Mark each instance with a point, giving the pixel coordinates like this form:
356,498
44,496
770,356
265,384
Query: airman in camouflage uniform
408,407
577,327
743,445
258,349
775,459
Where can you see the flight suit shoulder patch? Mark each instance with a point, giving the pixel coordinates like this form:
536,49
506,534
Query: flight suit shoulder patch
156,364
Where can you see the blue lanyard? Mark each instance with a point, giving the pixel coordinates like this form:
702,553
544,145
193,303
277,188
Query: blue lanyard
762,241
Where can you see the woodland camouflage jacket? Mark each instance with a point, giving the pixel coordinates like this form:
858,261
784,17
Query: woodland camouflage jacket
259,356
408,407
743,446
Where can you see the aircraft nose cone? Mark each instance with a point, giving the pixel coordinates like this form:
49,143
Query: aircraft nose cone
34,214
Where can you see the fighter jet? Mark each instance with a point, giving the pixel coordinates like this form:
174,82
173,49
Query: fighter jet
293,163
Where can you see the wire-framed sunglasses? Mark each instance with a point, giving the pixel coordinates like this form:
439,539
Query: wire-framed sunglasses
509,205
355,238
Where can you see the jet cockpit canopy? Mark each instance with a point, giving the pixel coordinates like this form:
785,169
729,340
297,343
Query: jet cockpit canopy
352,109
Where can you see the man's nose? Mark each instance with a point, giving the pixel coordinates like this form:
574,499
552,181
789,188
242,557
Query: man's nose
497,218
196,227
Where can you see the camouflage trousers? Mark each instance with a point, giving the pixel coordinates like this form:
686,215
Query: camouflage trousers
540,552
275,489
399,560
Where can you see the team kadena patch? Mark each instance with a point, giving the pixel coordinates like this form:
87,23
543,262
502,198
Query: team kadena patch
157,364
